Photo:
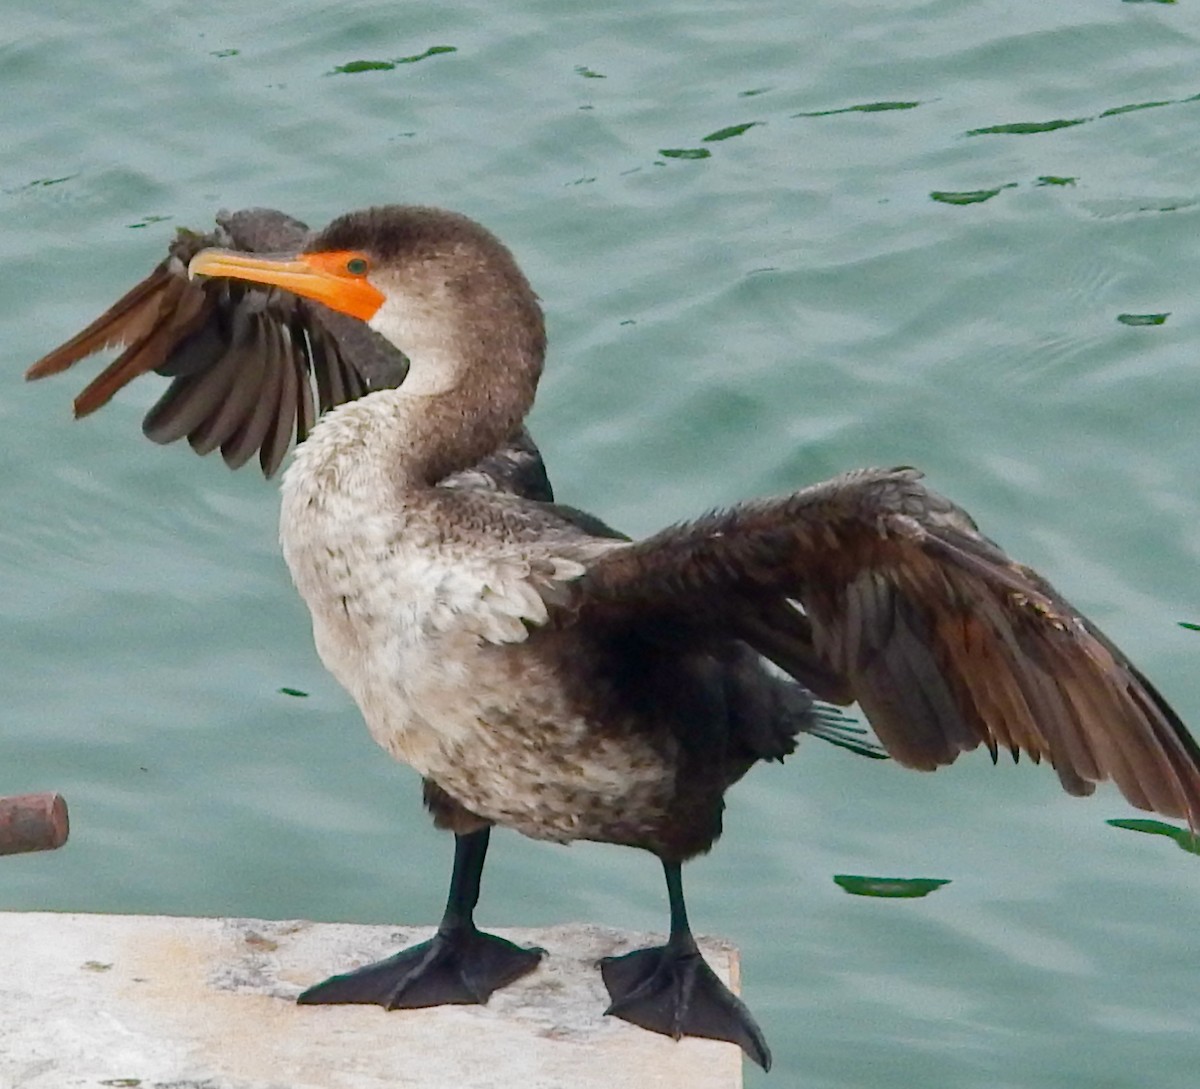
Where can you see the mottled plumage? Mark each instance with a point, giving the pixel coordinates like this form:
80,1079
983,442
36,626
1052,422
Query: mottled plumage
544,673
548,677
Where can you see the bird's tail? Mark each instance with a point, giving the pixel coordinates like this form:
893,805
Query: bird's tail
835,726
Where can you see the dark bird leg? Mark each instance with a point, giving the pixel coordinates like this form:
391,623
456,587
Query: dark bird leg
671,989
459,965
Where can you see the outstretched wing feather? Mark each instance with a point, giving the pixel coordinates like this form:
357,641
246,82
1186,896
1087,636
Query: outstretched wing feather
205,335
943,640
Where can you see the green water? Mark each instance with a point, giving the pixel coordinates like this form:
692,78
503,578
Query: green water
774,241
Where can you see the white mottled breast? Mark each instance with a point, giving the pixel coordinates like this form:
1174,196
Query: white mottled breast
427,631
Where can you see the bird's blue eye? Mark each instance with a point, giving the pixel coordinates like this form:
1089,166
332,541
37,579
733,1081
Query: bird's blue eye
356,266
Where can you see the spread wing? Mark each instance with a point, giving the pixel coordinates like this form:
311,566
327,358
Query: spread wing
871,588
251,367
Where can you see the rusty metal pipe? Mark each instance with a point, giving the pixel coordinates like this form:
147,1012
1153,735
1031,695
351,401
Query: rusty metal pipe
32,822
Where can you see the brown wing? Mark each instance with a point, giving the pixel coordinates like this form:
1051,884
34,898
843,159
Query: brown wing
874,589
244,359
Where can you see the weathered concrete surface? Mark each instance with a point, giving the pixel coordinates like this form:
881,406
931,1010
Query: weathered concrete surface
152,1002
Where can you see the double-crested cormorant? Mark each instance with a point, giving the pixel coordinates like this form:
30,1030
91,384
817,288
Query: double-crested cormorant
543,673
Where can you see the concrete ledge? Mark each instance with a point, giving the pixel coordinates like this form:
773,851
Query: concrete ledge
153,1002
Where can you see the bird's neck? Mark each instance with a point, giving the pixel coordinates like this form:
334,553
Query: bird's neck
401,441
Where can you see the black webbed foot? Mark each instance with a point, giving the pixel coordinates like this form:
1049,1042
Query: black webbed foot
461,966
673,991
